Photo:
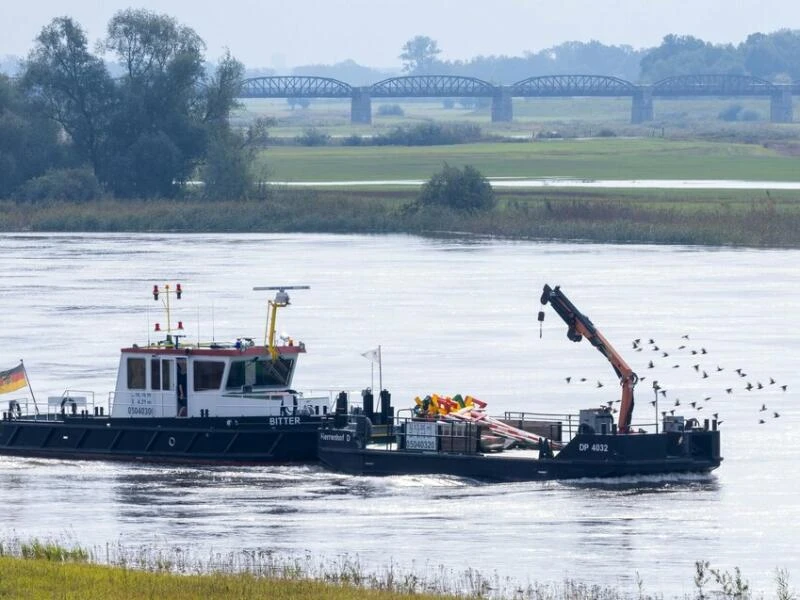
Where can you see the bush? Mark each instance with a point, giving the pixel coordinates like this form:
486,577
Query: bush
749,115
460,189
548,135
606,132
390,110
731,113
73,185
313,137
430,134
353,140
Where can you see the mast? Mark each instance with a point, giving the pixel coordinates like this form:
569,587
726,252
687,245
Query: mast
281,300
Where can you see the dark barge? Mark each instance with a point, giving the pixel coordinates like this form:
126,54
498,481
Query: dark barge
443,447
460,439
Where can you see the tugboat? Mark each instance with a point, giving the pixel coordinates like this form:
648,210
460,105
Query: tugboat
455,436
179,402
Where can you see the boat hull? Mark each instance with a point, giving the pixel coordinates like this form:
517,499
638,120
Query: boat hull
207,440
613,456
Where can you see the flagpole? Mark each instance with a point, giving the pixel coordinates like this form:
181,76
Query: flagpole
380,371
372,374
28,381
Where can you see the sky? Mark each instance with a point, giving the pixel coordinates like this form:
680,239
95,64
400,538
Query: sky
285,34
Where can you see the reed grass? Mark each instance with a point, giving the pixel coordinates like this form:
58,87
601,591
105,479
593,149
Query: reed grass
48,569
711,218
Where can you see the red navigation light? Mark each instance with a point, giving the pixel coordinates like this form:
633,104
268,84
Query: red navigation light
158,327
178,290
155,292
180,325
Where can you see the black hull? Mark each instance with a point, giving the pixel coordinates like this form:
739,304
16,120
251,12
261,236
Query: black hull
617,456
187,441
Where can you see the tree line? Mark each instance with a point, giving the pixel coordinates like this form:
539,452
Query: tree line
68,127
772,56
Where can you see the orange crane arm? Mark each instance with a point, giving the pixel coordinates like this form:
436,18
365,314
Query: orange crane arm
578,327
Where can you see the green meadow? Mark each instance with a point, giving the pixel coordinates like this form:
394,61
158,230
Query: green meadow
646,158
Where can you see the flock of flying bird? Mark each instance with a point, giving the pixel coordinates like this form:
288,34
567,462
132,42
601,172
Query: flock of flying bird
698,356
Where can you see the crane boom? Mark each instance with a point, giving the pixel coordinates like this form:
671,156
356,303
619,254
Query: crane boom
579,326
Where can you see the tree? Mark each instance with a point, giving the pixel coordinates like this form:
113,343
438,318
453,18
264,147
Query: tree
773,56
419,54
157,135
688,55
460,189
29,142
150,45
219,93
71,86
227,171
147,132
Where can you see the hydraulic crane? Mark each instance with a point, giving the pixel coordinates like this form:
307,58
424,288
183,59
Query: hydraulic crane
578,327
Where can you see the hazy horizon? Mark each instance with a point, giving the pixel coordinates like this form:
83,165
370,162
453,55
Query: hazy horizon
281,35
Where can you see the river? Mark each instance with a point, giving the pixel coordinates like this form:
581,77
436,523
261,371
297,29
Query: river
451,316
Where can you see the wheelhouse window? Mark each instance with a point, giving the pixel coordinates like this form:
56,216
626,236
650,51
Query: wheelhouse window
160,372
259,373
136,373
207,375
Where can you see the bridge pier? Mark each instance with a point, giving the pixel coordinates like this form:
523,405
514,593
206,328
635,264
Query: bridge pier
361,106
780,105
502,109
642,105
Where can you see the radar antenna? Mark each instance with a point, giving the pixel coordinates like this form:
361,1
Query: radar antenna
281,300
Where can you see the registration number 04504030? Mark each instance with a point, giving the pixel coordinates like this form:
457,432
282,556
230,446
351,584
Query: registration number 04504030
593,447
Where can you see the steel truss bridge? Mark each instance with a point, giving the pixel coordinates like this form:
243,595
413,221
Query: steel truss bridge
546,86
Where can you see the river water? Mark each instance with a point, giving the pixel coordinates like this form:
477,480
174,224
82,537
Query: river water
451,316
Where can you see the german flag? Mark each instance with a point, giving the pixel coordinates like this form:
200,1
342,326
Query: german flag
13,379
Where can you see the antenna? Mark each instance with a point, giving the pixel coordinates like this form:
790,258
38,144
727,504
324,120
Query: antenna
281,300
167,292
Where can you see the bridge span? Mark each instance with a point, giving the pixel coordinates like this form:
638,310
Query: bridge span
545,86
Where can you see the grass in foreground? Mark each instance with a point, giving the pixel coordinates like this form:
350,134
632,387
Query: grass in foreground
48,570
40,578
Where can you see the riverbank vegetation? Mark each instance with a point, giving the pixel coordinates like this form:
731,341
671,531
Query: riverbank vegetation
703,217
39,569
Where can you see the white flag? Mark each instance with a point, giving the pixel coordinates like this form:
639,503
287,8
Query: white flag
373,355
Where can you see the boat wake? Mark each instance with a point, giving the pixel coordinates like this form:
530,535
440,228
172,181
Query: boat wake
640,483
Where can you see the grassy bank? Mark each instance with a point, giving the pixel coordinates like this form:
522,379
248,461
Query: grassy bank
49,570
706,217
40,578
